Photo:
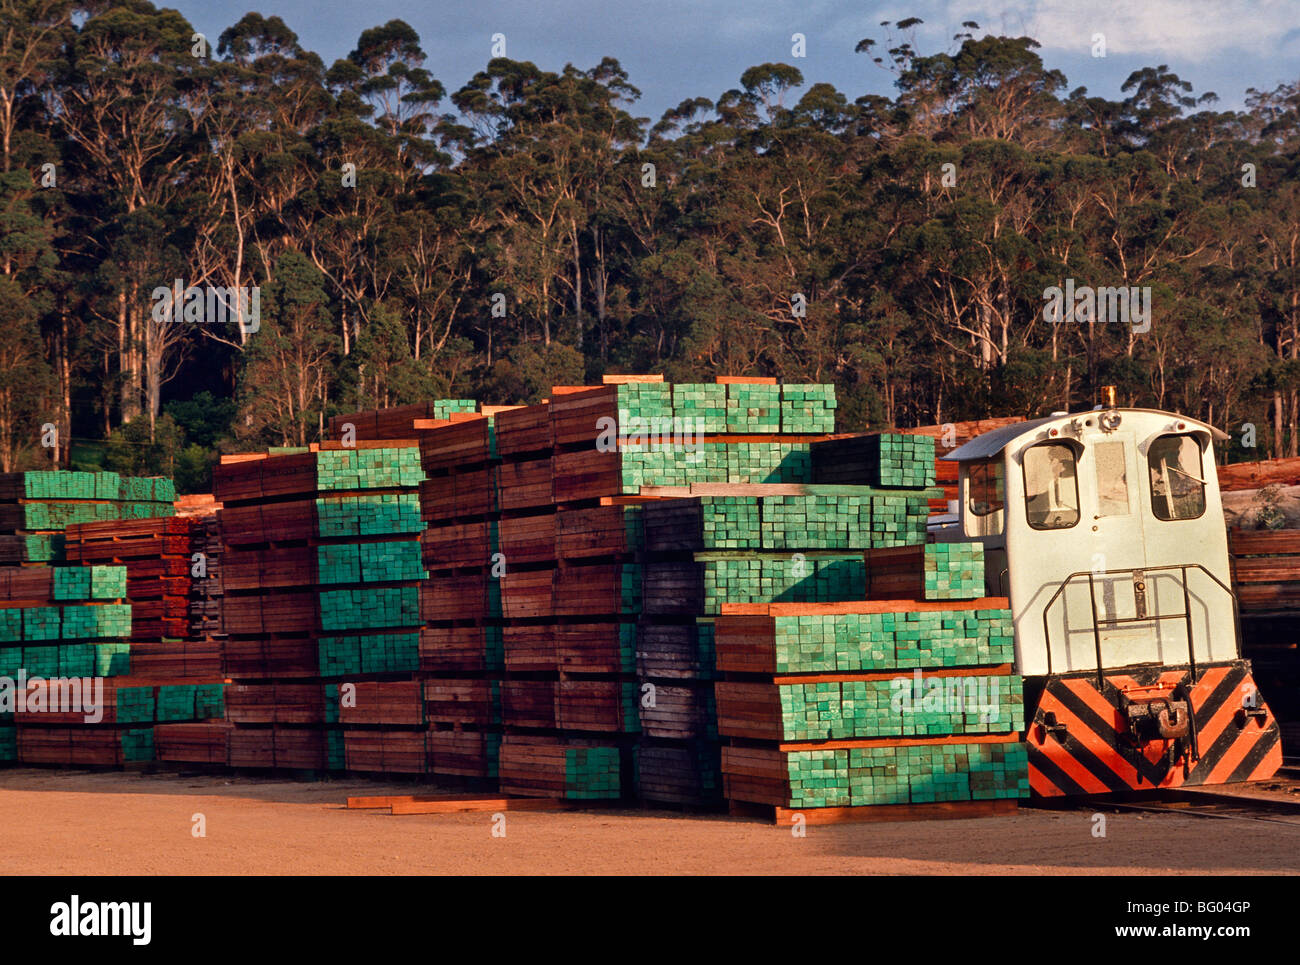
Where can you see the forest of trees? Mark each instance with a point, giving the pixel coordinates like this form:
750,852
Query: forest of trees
405,241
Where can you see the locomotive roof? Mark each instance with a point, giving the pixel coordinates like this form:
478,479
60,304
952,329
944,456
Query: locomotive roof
991,443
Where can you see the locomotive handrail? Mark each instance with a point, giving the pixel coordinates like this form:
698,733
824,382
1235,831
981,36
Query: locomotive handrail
1097,622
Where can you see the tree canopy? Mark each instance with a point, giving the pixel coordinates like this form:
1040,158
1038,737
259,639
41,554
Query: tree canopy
358,235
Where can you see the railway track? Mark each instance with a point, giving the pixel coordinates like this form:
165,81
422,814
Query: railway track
1220,805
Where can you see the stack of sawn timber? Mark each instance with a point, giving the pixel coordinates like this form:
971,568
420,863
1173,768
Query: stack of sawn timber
394,423
207,593
534,549
804,543
82,703
460,654
156,554
37,507
904,697
655,444
321,571
1266,569
97,648
61,622
112,721
580,551
891,703
461,658
1266,579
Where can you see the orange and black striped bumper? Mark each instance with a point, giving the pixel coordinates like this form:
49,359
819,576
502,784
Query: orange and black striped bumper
1090,750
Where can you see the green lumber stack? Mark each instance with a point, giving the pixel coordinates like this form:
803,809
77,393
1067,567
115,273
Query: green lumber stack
889,703
36,507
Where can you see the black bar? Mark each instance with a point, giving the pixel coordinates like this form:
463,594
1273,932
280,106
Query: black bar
1096,631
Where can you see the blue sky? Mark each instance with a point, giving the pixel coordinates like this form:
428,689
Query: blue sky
674,49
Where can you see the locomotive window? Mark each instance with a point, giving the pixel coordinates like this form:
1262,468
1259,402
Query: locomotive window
984,481
1112,478
1177,489
1051,487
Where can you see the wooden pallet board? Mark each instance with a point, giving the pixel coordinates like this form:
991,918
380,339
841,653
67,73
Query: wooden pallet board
935,811
127,529
454,804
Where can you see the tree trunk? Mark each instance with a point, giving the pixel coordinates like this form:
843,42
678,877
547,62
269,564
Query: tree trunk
65,390
577,281
106,395
1293,418
1277,425
126,403
546,312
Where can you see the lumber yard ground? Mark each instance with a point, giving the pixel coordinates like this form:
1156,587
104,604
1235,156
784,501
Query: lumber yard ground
114,823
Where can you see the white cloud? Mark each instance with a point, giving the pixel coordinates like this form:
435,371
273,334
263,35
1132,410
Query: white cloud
1194,30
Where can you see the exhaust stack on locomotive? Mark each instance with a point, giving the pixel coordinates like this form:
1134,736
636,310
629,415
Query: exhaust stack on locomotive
1106,530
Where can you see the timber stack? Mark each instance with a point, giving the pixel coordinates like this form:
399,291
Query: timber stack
687,594
76,638
891,694
582,551
321,570
36,508
156,556
461,650
1266,579
62,622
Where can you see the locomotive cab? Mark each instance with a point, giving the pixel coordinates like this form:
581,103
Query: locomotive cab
1106,531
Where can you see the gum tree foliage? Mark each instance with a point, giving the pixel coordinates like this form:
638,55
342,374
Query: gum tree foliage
412,238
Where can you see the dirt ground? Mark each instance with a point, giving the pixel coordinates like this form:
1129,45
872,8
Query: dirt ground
61,822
